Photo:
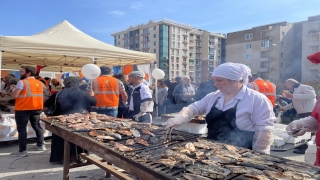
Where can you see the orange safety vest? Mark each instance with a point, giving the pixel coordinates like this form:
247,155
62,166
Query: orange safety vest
266,88
106,92
31,96
45,82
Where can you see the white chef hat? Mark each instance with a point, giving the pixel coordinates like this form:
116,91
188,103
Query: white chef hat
233,71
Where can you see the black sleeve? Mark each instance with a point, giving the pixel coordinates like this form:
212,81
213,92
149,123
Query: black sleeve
90,99
50,101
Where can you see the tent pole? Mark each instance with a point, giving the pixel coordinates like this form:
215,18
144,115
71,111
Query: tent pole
156,90
0,64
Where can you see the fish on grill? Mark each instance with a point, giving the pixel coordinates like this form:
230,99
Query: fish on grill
295,168
124,132
147,132
76,125
105,137
189,146
243,169
170,162
135,133
201,146
257,166
189,176
93,133
212,170
126,124
222,159
179,157
129,142
153,140
257,161
70,120
297,175
257,176
141,141
145,137
112,134
122,147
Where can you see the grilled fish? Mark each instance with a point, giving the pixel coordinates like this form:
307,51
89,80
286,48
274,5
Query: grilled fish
257,166
177,138
124,132
129,142
167,162
243,169
145,137
135,133
212,170
256,161
153,140
296,175
126,124
189,176
222,159
112,134
179,157
147,132
93,133
200,145
257,176
296,168
122,148
141,141
105,137
189,146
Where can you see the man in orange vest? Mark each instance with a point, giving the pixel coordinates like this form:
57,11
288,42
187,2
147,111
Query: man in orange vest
29,104
107,90
265,87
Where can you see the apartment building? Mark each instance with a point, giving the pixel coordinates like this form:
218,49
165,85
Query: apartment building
310,31
272,50
181,49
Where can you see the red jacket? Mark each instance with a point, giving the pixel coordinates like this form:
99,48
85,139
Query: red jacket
316,114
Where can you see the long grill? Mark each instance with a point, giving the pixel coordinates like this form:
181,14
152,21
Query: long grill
142,159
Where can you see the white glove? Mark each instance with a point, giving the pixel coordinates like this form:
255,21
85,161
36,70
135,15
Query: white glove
146,106
137,116
308,124
185,115
262,141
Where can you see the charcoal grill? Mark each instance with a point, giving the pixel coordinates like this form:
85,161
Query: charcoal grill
135,162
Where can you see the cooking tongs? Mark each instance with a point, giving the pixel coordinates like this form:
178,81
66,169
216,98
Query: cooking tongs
294,133
166,138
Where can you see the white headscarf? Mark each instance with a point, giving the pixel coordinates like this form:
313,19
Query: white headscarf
233,71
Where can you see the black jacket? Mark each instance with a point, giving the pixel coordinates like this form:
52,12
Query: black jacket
71,100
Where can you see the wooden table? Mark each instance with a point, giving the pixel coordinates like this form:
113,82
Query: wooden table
112,157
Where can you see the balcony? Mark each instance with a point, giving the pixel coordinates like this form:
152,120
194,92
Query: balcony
265,59
192,51
184,63
198,52
145,34
185,48
125,38
199,40
198,58
185,42
184,69
185,35
264,69
185,56
145,49
191,44
198,45
211,40
211,45
145,41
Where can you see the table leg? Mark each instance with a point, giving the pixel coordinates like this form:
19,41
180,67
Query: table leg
66,160
108,175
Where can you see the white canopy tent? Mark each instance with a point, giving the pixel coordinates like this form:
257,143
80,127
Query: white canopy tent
64,48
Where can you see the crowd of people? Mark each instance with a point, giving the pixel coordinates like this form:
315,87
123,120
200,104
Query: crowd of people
239,106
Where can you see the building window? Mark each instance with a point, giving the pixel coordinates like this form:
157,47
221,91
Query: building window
145,31
264,43
281,64
185,31
211,57
172,66
154,51
172,59
173,36
177,51
248,56
178,37
262,34
282,44
172,51
177,58
119,37
154,42
249,65
248,36
282,54
118,43
173,29
154,36
155,28
263,54
178,45
173,44
145,45
283,33
248,46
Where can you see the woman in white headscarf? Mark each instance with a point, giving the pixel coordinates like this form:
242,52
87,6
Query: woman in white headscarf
235,114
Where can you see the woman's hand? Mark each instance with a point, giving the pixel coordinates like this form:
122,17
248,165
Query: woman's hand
90,92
